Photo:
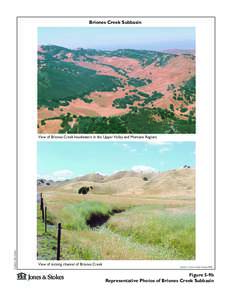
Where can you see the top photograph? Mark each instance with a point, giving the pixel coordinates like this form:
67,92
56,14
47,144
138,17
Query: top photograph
116,80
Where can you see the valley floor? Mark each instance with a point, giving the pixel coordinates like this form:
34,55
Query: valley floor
133,227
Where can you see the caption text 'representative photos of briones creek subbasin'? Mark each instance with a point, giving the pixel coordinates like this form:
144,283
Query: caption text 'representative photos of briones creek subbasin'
116,80
130,201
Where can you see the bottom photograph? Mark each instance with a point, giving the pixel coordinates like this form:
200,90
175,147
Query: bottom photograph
116,201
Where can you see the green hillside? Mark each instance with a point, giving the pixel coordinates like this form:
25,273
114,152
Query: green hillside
59,82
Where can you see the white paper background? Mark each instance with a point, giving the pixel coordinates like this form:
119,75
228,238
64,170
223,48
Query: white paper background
27,93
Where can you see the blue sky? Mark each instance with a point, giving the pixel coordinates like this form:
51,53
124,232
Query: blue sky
110,38
63,160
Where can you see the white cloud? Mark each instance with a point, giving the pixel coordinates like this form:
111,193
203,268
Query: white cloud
100,173
116,171
58,175
143,169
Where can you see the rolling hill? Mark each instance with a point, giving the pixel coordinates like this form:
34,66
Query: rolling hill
180,182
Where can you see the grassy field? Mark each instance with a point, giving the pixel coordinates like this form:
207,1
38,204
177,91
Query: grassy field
135,227
46,242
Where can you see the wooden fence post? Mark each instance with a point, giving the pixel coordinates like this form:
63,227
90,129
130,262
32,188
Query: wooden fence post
58,241
41,201
42,206
45,219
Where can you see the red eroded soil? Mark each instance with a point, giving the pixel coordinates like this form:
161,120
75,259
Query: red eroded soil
79,107
51,126
104,99
178,70
127,64
40,57
40,49
69,57
44,113
102,70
